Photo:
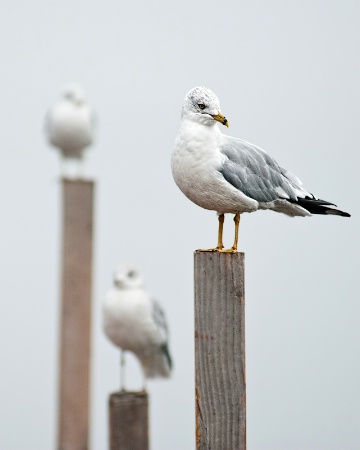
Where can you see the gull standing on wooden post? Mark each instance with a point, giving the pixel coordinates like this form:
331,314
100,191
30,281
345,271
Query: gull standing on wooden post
135,322
230,175
69,127
70,124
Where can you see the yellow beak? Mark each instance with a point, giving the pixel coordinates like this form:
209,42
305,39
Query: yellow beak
221,118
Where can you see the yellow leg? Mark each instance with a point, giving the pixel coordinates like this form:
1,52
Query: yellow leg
233,249
220,245
237,223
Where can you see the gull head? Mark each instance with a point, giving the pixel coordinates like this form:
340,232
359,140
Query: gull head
127,276
74,94
202,105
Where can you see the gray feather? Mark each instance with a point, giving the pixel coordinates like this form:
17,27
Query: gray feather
159,317
253,171
160,320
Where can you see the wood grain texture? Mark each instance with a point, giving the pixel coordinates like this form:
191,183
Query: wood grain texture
75,326
220,351
128,415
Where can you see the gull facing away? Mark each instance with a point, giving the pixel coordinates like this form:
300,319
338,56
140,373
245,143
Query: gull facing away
135,322
230,175
70,123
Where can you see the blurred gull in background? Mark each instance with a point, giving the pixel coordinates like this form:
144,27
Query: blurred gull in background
230,175
70,124
135,322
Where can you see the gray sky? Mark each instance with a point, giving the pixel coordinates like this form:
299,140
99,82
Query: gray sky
287,75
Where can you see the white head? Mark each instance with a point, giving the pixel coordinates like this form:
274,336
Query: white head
127,276
202,105
74,93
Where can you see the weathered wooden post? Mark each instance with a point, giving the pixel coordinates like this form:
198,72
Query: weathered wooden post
220,351
129,420
73,420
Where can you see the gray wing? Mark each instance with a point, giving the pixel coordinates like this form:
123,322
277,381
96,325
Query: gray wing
158,316
256,174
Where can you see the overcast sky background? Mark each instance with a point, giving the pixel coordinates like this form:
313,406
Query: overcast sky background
287,75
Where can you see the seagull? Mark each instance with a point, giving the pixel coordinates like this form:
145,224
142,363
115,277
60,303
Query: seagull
229,175
135,322
70,123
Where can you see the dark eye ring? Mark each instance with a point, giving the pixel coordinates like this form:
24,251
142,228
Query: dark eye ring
201,105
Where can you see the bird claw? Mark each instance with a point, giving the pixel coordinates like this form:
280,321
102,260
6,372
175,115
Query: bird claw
217,249
228,250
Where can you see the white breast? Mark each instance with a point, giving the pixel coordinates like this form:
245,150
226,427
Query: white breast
196,162
127,320
70,128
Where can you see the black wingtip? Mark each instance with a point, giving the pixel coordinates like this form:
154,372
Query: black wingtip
335,212
345,214
317,206
165,350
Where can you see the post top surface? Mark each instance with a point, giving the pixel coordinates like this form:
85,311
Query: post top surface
129,394
78,181
215,252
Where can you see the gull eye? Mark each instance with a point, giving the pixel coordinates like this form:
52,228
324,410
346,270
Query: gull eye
131,274
201,105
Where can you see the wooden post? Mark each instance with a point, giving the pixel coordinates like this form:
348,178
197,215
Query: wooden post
220,351
73,420
128,414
